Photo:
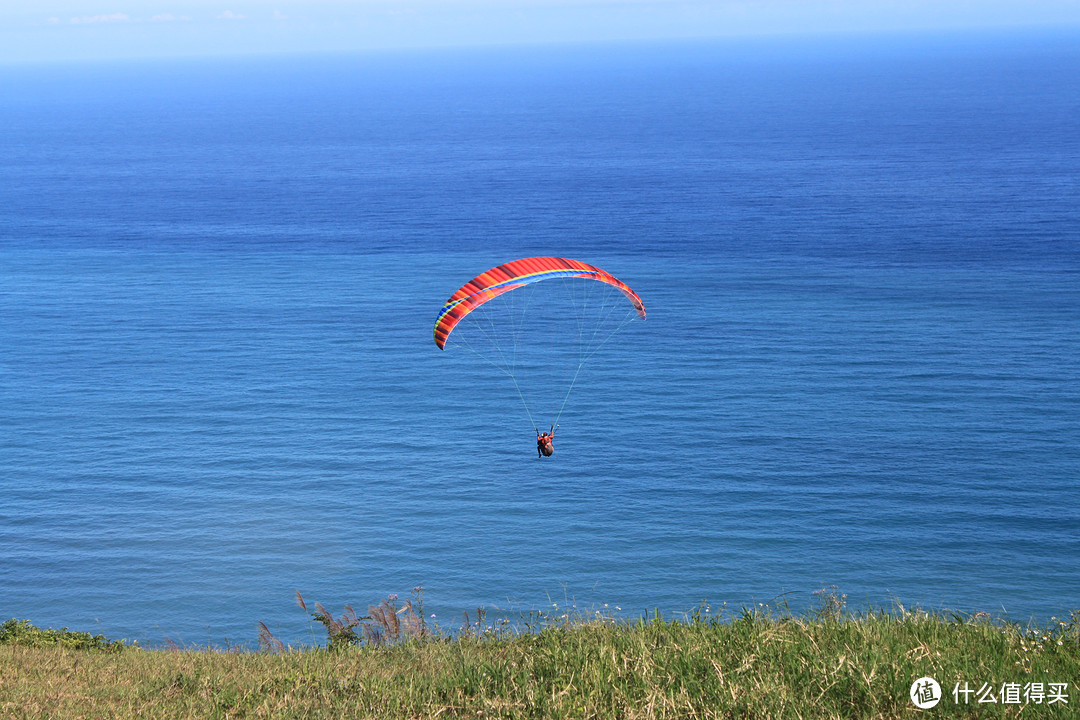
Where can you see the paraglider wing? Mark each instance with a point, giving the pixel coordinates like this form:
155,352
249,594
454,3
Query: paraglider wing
516,274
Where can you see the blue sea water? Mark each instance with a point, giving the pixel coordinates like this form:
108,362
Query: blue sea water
860,367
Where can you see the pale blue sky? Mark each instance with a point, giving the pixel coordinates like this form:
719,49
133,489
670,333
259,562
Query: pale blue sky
36,30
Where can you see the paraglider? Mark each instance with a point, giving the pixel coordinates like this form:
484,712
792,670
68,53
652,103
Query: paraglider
544,443
516,274
538,320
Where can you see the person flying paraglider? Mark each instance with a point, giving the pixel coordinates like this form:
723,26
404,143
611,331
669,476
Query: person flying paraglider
543,443
494,310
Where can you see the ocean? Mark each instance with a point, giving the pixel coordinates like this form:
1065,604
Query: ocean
860,369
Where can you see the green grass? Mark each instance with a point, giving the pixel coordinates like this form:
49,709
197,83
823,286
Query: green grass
828,663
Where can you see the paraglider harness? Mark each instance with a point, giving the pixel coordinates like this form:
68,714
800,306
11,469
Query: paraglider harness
543,442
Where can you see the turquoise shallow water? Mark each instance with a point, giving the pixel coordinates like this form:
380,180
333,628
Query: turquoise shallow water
860,366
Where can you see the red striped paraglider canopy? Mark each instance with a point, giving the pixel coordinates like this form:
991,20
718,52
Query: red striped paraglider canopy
515,274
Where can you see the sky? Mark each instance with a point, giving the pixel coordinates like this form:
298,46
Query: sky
63,30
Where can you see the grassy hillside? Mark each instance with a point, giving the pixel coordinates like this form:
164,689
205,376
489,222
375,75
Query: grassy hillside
830,663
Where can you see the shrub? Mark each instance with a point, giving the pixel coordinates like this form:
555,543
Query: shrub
21,632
